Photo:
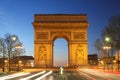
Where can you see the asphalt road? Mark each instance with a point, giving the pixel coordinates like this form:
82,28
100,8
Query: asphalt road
55,75
79,74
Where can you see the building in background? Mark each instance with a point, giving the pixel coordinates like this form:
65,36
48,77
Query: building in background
18,62
93,59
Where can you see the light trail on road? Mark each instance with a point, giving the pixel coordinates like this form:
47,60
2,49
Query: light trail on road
44,75
14,75
87,76
33,75
96,74
76,74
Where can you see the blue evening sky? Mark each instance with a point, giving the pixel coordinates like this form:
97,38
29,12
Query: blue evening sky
16,17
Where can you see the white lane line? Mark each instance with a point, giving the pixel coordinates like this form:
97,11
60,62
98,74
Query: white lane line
33,75
14,75
44,75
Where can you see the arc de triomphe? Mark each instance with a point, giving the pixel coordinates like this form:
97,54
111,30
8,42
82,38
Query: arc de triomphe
49,27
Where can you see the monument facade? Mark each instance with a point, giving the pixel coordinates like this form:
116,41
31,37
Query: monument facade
49,27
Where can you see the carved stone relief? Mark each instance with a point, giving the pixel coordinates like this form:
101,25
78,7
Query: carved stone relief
42,35
79,35
52,33
79,53
42,53
61,32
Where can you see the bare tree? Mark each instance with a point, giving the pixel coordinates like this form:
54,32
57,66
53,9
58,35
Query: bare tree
112,31
8,46
98,47
2,51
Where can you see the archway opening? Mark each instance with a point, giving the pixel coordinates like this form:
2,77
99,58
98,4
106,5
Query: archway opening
60,52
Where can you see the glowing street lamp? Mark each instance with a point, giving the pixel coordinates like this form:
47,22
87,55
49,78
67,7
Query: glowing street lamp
114,61
32,65
13,38
19,47
107,48
107,39
20,62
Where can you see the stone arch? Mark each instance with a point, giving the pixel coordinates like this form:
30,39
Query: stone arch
60,35
60,49
49,27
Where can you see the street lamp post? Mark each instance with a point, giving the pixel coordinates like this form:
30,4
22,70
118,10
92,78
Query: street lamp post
11,39
19,47
118,59
114,67
5,65
107,48
3,51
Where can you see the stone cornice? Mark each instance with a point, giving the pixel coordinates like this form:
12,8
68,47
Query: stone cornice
74,42
60,18
60,21
61,25
42,41
60,14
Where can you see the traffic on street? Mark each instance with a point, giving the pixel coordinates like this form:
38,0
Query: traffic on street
62,74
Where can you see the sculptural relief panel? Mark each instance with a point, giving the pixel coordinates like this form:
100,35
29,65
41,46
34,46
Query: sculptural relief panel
79,35
42,53
79,54
42,35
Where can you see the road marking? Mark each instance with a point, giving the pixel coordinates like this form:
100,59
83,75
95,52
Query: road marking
33,75
44,75
14,75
